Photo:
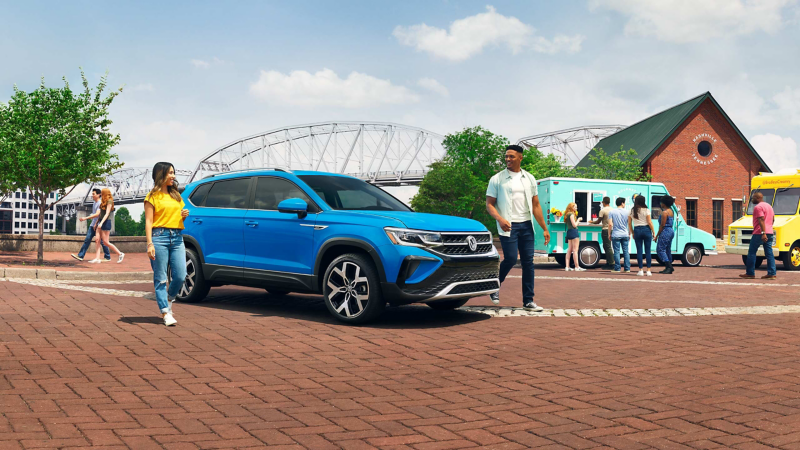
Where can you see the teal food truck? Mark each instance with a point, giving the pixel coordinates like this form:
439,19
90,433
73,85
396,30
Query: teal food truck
688,246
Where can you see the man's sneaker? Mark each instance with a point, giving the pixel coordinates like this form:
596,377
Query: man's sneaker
169,320
744,275
76,257
495,298
627,271
769,277
530,306
615,271
640,273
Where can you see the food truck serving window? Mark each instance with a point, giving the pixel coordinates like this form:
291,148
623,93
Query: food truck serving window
786,201
768,195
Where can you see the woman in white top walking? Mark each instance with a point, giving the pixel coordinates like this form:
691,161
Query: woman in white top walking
641,226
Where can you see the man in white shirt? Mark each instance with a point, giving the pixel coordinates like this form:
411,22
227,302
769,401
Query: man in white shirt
512,198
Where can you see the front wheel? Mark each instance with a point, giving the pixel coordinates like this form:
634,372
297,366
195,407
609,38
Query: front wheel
589,255
446,305
791,259
195,288
352,290
759,260
692,256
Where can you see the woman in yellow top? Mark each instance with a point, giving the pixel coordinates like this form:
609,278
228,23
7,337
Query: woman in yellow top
164,214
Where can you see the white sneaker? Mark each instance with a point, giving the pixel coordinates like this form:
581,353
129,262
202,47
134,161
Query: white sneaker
121,255
169,320
567,269
649,274
95,261
579,269
640,274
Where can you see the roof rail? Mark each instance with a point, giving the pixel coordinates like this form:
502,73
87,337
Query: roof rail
280,169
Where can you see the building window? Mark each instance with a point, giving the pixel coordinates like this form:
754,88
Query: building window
16,194
736,210
16,214
704,148
691,213
717,218
24,215
16,204
5,222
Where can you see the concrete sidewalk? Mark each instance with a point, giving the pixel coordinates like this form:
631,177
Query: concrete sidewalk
61,266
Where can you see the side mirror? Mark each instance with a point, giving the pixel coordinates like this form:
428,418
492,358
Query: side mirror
294,206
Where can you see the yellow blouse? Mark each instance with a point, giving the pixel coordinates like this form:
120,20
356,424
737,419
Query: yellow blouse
167,212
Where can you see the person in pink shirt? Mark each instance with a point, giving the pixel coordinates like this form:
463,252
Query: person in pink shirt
763,236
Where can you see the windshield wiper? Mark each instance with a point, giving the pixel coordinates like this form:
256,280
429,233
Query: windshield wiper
786,188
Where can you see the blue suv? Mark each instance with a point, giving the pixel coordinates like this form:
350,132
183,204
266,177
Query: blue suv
330,234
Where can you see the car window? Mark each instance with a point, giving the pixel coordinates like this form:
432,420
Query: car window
347,193
199,194
786,201
270,191
228,194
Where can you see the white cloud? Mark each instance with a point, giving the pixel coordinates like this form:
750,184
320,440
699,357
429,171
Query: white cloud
200,64
469,36
433,86
174,141
143,87
325,88
788,102
697,21
778,152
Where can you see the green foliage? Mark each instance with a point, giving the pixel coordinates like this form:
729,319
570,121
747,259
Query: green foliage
140,225
622,165
53,139
124,223
542,165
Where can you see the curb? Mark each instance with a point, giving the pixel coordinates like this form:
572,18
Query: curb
52,274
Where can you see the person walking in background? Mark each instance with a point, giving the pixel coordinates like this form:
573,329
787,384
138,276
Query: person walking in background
573,237
512,199
605,234
92,230
665,233
164,214
763,236
620,236
105,214
641,226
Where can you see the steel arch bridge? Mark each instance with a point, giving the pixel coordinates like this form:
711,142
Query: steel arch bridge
571,144
385,154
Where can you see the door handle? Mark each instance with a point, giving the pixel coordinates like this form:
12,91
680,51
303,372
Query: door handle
251,223
196,220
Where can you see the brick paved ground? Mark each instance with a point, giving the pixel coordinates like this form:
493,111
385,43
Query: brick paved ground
133,262
245,370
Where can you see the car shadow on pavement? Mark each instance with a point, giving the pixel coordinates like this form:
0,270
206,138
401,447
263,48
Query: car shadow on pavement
146,319
312,308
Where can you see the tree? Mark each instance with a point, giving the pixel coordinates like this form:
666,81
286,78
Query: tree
124,223
140,225
542,165
55,139
622,165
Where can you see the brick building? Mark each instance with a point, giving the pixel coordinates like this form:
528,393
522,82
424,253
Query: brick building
697,151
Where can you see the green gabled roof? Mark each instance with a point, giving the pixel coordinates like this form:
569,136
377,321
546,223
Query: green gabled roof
647,136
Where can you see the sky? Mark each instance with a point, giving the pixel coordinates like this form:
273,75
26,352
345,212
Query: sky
197,75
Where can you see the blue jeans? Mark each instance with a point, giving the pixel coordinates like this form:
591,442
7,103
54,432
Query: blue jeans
522,240
88,241
643,238
755,243
623,242
664,247
170,251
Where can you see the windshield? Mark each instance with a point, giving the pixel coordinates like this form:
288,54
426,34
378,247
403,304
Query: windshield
768,195
786,201
352,194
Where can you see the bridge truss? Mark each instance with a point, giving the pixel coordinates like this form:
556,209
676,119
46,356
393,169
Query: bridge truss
571,144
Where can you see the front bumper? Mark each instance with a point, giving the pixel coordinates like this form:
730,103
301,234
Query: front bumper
453,279
739,250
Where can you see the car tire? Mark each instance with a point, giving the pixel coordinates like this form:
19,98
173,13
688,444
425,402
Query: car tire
759,260
278,292
447,305
357,301
692,255
195,288
791,258
589,255
561,259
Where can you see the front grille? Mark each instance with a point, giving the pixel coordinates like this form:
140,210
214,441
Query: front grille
453,276
474,287
464,249
462,238
457,244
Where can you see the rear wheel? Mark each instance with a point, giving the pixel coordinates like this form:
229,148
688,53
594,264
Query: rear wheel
759,260
445,305
692,256
791,258
352,290
589,255
195,288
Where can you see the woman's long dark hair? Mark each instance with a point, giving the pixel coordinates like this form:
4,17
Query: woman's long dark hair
667,201
160,172
639,203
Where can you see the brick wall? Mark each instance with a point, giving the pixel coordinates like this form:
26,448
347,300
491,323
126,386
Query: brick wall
725,173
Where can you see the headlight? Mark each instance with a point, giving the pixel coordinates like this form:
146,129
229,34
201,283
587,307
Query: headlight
733,238
413,238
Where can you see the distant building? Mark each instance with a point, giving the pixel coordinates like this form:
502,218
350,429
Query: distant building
20,215
697,151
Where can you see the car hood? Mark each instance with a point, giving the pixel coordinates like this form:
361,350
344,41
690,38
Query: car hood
428,222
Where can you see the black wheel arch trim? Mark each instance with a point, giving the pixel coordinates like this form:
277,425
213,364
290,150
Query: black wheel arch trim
319,272
196,245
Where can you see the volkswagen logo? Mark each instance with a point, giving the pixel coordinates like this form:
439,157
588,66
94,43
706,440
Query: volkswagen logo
473,244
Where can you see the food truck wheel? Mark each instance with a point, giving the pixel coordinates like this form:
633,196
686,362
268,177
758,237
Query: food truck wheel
589,255
791,259
759,260
692,256
561,260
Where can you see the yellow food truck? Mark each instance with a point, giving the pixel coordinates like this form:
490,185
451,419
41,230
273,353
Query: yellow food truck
782,191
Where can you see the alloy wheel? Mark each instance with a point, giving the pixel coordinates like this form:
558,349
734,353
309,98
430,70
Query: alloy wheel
188,283
349,290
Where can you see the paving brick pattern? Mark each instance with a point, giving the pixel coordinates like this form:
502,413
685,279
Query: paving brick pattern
244,370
